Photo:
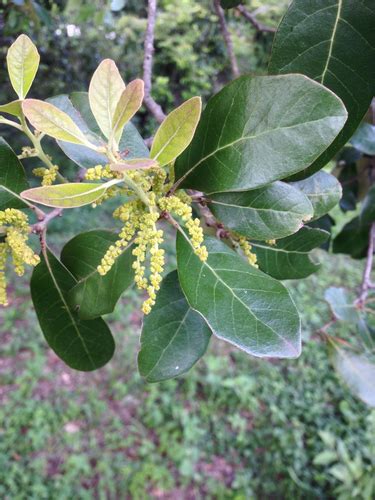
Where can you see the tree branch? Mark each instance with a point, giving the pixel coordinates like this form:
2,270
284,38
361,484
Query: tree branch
227,38
150,103
366,281
253,20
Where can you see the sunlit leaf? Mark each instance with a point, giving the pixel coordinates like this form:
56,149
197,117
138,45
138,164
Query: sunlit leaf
106,88
241,305
255,131
12,178
13,108
129,103
83,345
70,195
139,163
174,336
23,62
332,42
52,121
176,132
95,295
274,211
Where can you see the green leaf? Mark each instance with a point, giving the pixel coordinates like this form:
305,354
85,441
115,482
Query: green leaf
136,164
323,190
82,345
368,207
13,108
358,372
274,211
332,42
341,305
241,305
70,195
95,295
289,258
256,131
105,90
353,239
176,132
363,139
174,336
23,62
129,103
50,120
12,178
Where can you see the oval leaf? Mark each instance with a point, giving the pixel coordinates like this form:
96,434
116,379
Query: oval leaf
332,42
323,190
271,212
241,305
106,88
95,295
52,121
174,336
129,103
289,258
23,62
363,139
82,345
176,132
12,178
70,195
257,130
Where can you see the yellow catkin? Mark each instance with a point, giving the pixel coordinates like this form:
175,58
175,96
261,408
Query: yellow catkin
175,205
246,248
3,284
271,242
48,174
99,173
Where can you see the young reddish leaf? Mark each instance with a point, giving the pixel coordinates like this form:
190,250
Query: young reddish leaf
23,62
129,103
12,108
137,163
72,195
176,132
52,121
106,88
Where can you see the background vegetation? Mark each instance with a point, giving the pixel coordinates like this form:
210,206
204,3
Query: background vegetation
233,427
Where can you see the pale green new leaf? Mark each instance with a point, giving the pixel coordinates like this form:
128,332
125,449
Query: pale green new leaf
13,108
342,307
274,211
323,190
23,62
138,163
50,120
257,130
241,305
174,336
129,103
105,90
70,195
176,132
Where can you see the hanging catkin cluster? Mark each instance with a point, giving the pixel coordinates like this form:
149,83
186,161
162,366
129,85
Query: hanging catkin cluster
14,229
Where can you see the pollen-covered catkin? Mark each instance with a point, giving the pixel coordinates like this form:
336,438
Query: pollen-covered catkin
3,258
246,248
48,174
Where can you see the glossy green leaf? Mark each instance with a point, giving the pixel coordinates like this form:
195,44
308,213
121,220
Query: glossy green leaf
82,345
358,372
352,239
51,121
13,108
241,305
257,130
289,258
95,295
105,90
323,190
368,208
129,103
341,305
70,195
333,42
12,178
274,211
174,336
363,139
23,62
176,132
